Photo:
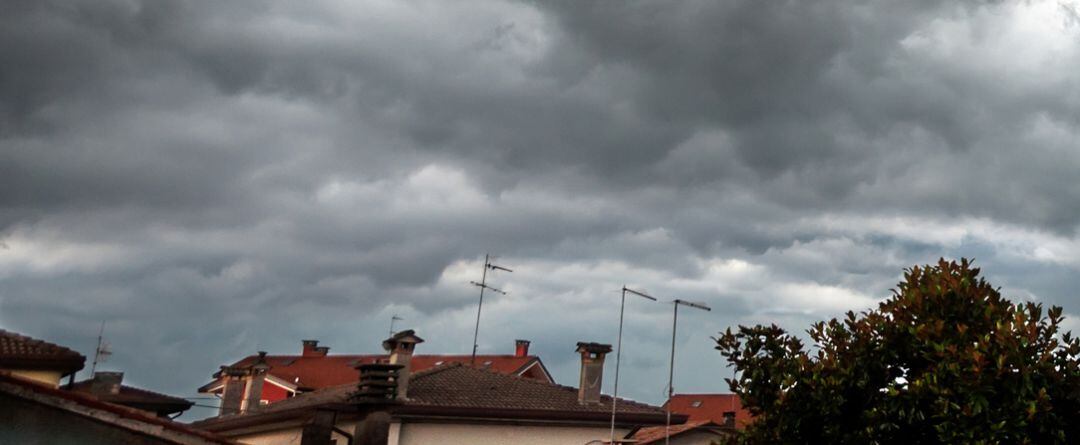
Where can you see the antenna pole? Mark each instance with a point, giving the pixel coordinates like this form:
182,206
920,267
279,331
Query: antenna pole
618,358
476,331
671,369
671,376
392,320
618,355
483,286
97,350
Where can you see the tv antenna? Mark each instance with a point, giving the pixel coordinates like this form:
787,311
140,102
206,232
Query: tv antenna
102,352
618,352
392,320
671,369
483,286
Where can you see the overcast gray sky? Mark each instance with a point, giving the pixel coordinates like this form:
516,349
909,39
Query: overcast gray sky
216,178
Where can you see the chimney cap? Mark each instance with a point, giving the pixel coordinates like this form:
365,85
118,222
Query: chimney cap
594,348
407,336
111,376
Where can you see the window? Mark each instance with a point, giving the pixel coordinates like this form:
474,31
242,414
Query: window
696,404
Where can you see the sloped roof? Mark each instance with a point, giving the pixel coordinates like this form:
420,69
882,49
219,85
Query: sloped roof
21,351
456,389
710,407
317,372
462,386
118,416
137,398
655,434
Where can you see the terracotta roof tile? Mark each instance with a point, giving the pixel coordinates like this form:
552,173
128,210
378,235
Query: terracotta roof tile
20,350
136,397
456,386
462,386
655,434
710,407
322,372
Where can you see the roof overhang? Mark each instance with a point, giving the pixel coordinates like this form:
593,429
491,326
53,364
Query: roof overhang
64,365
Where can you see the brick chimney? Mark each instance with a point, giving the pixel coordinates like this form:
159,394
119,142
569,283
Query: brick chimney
521,348
592,371
400,347
106,382
312,349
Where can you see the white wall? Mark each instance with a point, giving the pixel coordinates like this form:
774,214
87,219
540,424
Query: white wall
457,434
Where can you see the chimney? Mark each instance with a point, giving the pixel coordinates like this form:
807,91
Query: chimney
232,397
378,382
256,377
592,371
400,346
106,382
521,348
312,349
729,419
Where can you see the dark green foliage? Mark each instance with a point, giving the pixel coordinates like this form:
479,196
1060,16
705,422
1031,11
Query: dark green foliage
945,360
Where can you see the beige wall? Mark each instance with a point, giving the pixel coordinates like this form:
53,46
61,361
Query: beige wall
51,378
694,438
455,434
289,436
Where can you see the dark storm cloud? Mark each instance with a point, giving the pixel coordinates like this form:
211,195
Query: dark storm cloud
212,178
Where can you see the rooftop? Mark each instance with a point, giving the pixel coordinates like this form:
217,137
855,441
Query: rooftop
317,372
20,351
456,389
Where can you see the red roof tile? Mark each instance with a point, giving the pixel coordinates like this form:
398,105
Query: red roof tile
22,351
655,434
710,407
456,388
312,373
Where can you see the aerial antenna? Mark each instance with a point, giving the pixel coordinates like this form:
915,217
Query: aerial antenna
618,352
102,352
392,320
671,369
483,286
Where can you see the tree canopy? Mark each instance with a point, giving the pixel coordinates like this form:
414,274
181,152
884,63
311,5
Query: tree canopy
945,359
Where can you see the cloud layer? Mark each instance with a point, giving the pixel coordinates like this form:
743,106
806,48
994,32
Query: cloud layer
212,179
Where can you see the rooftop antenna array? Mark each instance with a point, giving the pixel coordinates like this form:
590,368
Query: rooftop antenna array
392,320
483,286
618,352
671,368
102,352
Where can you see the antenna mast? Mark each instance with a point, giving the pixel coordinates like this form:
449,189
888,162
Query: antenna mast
392,320
102,350
483,285
618,354
671,369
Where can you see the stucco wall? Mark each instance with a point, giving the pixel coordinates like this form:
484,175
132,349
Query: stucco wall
289,436
51,378
694,438
455,434
24,422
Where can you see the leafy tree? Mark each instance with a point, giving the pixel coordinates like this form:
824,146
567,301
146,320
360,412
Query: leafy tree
944,360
